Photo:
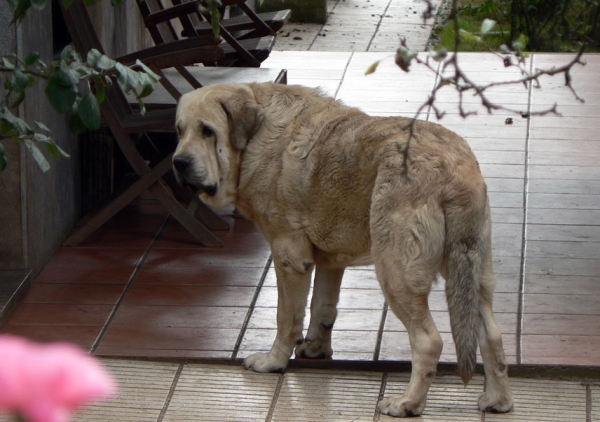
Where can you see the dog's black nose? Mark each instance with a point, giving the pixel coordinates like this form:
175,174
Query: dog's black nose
181,163
210,190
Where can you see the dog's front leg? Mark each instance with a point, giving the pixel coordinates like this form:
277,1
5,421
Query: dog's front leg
293,260
323,312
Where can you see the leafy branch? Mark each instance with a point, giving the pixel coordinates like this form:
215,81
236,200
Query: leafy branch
449,72
72,85
446,67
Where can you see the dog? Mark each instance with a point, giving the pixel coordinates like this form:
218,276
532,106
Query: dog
331,187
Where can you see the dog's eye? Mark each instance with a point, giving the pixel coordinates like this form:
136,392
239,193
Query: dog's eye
207,132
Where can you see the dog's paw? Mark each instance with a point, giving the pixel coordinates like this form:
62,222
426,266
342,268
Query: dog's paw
400,407
495,403
313,349
265,362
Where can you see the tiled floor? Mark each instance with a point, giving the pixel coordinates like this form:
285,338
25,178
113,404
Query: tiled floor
361,25
141,287
167,391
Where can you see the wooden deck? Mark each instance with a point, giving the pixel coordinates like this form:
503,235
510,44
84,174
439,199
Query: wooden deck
142,288
137,288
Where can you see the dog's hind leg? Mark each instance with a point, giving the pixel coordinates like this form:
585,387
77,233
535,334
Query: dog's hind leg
497,396
294,262
407,251
323,312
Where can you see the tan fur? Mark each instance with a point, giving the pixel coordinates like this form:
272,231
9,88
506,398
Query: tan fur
331,187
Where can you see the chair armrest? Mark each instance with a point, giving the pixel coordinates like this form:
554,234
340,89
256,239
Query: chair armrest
158,120
177,53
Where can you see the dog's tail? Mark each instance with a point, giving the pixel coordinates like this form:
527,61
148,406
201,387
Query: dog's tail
467,240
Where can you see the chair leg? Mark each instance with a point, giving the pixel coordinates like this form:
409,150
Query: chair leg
93,221
196,207
212,220
161,191
256,19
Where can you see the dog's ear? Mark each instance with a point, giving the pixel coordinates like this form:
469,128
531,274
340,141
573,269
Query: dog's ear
244,116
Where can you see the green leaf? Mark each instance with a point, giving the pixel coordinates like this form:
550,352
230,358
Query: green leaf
53,148
42,66
148,70
40,137
42,126
17,100
467,36
99,89
38,4
127,78
520,43
37,155
215,20
20,80
504,49
142,106
68,76
8,63
487,25
67,3
7,130
60,152
76,126
12,5
61,97
84,70
3,159
93,57
98,60
372,68
67,53
19,10
106,63
147,85
18,125
31,58
89,112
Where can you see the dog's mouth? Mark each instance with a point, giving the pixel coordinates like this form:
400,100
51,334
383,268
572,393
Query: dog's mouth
198,188
210,190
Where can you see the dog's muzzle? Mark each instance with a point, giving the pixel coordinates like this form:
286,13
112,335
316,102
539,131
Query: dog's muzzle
182,167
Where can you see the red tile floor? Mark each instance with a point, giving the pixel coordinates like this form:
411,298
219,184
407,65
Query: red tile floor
142,287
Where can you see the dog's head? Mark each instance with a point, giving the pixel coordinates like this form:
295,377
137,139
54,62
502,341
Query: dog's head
213,126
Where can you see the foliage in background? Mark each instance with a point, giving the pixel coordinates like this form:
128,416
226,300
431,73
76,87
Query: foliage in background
74,86
546,25
63,90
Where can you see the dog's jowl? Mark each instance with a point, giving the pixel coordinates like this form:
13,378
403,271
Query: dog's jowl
331,187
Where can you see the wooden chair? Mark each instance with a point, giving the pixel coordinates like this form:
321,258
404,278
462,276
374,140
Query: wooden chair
251,47
123,120
254,24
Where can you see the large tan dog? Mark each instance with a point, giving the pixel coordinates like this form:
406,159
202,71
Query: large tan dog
331,187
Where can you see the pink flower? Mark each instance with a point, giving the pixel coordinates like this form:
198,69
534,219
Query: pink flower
46,383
